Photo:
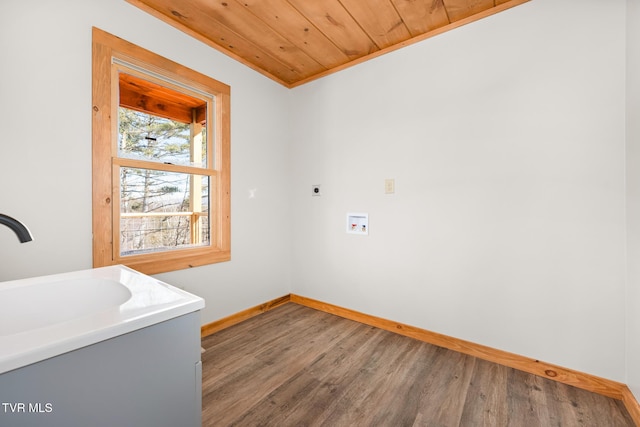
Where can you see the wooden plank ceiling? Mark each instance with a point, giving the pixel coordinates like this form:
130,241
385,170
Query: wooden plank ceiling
296,41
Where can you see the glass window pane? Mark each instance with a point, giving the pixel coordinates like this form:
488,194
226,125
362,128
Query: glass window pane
160,124
143,136
162,211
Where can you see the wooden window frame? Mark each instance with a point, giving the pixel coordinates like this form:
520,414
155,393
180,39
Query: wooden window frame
107,49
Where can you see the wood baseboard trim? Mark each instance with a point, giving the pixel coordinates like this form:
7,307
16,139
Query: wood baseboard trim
228,321
581,380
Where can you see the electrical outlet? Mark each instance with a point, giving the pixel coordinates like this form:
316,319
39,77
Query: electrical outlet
315,190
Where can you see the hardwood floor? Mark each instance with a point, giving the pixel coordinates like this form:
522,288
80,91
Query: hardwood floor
296,366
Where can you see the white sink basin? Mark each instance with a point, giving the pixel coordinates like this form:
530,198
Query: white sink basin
46,316
28,307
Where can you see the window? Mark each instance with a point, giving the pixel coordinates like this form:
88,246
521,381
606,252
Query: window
161,159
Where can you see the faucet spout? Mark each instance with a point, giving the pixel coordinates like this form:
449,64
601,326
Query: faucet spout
23,233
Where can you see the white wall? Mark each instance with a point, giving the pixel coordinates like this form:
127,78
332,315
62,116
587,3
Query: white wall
45,161
633,197
506,141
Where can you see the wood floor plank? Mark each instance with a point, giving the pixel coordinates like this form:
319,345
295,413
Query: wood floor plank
337,375
486,402
262,366
558,397
526,397
331,373
445,388
371,385
295,366
401,385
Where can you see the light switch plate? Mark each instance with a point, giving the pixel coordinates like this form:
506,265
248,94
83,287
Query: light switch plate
389,186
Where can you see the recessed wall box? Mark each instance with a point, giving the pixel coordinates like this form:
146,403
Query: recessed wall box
358,223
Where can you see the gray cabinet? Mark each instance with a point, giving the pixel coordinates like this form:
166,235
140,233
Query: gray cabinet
151,377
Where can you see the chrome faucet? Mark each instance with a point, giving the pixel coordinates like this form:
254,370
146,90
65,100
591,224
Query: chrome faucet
19,228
